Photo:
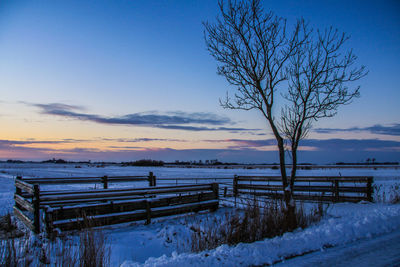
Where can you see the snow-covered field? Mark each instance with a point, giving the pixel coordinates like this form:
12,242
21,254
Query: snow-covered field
165,241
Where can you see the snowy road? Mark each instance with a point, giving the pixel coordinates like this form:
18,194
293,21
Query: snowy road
379,251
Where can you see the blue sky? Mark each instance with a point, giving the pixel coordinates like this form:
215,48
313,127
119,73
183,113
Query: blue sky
124,80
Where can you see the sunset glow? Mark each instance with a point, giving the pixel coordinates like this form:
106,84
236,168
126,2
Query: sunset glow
125,80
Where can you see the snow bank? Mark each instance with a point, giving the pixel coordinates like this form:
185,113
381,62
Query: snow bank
344,223
136,244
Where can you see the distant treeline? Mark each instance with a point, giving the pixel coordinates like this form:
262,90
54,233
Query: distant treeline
150,162
367,163
144,162
57,161
200,162
62,161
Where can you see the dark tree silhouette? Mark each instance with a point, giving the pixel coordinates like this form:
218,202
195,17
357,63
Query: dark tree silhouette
264,59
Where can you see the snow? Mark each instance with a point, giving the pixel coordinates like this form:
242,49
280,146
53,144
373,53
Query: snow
344,223
382,250
165,242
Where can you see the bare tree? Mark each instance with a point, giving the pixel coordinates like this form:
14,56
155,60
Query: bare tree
265,59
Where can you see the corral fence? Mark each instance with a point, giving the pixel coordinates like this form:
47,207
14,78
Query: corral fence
75,209
68,209
307,188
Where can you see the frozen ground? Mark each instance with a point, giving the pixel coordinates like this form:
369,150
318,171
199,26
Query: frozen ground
165,241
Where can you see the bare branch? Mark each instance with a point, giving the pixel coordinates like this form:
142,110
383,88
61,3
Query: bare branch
258,54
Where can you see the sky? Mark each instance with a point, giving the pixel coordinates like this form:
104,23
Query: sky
124,80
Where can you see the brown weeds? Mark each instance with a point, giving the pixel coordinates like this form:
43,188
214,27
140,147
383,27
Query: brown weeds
257,221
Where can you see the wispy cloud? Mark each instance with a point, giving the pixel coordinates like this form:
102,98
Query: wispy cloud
245,143
393,129
176,120
33,141
352,144
320,144
140,140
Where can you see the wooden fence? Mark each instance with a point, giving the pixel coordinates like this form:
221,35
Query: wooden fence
105,180
118,206
69,209
311,188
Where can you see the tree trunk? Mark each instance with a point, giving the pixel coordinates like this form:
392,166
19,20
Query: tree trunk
289,199
290,208
294,166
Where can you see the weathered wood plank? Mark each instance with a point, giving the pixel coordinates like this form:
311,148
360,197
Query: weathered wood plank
100,220
185,208
72,180
60,203
85,177
307,177
122,217
24,186
152,190
193,178
112,207
344,179
23,218
172,201
23,203
96,209
325,198
146,191
321,189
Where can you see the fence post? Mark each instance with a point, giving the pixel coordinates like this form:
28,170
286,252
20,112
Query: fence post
225,190
18,191
36,208
336,191
148,212
214,187
152,179
104,179
235,187
370,189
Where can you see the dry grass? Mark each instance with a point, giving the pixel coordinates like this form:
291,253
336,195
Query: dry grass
8,253
8,227
93,251
257,221
391,195
90,250
394,197
66,253
15,250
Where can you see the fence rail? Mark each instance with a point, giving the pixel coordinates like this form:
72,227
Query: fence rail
313,188
72,209
105,180
68,218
